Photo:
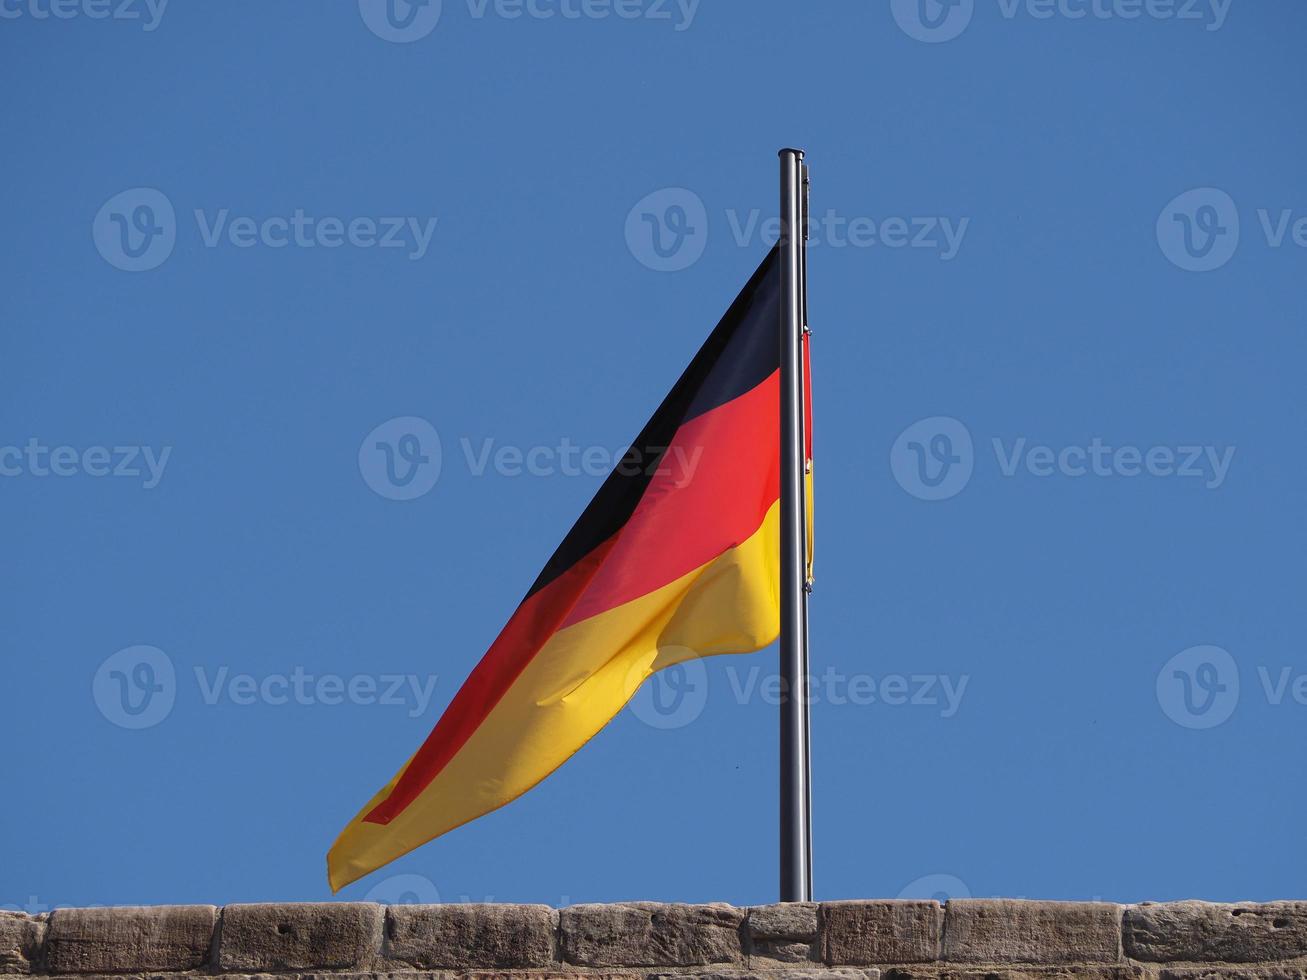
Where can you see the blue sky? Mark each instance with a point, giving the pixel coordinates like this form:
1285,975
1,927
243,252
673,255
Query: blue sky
1058,632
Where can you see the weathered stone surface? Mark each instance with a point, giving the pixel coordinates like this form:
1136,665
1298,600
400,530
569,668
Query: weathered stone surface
1234,973
471,936
128,940
651,934
20,941
299,937
1032,972
785,932
784,920
886,940
766,954
982,930
1205,932
876,933
169,975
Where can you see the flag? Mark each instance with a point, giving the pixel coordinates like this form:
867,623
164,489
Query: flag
676,557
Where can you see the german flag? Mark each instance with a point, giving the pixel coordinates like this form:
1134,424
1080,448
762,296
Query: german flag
675,558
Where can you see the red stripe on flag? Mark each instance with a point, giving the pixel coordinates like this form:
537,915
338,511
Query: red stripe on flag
534,622
712,490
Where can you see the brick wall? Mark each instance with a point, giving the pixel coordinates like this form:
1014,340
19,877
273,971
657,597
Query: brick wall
969,939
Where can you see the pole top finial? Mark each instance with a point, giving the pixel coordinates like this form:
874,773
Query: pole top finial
790,149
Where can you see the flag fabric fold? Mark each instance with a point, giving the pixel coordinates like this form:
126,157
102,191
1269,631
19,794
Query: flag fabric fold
676,557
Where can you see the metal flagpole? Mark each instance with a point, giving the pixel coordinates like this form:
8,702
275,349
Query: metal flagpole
796,832
808,571
805,422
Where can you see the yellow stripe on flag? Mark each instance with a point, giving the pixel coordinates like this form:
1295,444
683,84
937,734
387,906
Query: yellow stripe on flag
580,679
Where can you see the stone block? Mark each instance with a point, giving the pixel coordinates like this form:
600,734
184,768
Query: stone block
1206,932
328,936
129,939
471,936
20,941
784,920
785,932
982,930
877,933
651,934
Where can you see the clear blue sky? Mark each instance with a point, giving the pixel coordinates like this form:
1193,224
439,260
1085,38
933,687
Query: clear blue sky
1063,300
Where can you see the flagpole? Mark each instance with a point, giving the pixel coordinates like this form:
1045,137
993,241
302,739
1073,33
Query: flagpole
796,832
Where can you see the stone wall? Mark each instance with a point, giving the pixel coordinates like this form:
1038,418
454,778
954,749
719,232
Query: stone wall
968,939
